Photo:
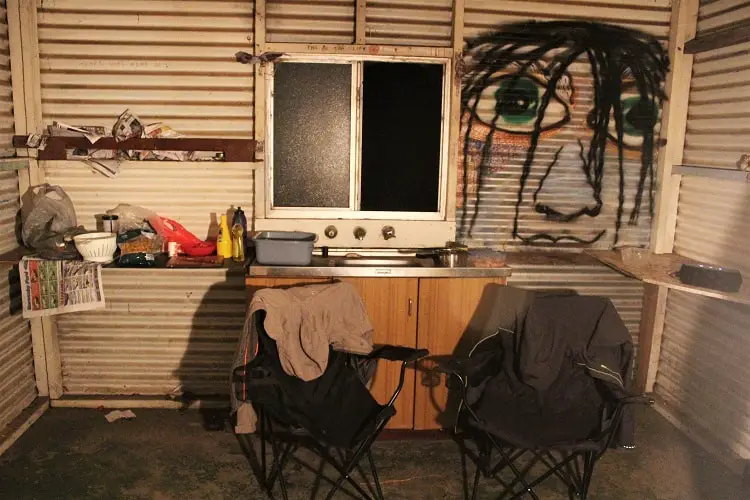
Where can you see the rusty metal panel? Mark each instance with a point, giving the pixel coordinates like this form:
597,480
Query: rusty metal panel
187,192
17,379
409,22
703,369
311,21
163,331
168,61
717,133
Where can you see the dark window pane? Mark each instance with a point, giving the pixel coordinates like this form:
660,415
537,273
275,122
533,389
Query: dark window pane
402,106
311,133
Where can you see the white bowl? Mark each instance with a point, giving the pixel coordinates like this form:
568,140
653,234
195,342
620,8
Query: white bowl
96,247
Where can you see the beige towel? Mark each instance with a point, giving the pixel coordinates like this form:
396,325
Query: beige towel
304,321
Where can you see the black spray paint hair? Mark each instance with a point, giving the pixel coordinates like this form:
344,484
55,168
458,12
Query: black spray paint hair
614,54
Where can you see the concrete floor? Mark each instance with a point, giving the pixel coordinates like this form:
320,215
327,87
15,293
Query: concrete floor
161,455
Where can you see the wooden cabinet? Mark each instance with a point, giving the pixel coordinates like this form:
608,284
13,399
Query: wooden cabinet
446,306
392,306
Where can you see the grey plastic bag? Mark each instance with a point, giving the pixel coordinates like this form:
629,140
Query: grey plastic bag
46,212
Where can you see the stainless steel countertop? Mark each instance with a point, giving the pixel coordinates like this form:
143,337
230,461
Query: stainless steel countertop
322,267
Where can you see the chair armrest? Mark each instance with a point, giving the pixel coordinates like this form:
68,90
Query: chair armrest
451,365
397,353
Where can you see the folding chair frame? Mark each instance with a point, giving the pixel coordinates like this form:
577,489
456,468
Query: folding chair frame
575,467
348,459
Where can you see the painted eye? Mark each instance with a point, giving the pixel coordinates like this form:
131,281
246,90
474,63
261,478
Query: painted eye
511,103
639,115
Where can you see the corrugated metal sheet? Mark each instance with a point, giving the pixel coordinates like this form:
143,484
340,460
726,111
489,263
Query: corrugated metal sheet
168,61
409,22
498,195
6,89
714,15
17,382
162,331
713,222
9,206
310,21
585,276
186,192
650,16
703,369
17,378
717,131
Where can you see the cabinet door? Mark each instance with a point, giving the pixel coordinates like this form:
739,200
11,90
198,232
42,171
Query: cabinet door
392,306
446,306
254,284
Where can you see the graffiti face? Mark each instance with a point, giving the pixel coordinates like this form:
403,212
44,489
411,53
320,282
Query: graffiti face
556,100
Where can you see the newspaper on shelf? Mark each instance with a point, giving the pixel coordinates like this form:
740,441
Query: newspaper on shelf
59,286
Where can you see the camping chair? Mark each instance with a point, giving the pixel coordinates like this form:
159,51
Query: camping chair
522,436
334,415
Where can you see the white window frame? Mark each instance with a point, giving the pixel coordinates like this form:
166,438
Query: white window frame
355,171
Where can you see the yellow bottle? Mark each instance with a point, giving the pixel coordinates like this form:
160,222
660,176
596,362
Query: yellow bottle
224,241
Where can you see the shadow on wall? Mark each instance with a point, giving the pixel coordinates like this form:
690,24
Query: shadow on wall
204,371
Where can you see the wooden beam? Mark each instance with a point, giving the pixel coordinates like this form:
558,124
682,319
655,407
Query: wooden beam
239,150
259,114
126,402
360,22
674,124
31,70
455,110
17,70
733,34
649,338
52,353
333,49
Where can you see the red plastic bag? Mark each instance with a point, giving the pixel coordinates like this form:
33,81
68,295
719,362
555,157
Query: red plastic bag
174,231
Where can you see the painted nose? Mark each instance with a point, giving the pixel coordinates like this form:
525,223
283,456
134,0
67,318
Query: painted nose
565,191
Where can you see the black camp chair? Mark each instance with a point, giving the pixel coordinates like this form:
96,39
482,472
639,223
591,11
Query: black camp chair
334,415
521,436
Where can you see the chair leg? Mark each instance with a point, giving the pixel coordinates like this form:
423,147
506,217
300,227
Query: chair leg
261,421
278,465
588,472
475,488
374,471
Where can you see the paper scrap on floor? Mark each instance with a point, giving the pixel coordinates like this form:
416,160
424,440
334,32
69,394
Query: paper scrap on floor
59,286
118,414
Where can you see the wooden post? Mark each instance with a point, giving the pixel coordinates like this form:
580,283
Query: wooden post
649,339
259,112
455,111
674,124
360,36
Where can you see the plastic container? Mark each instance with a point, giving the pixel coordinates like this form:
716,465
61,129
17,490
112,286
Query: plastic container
96,247
224,243
284,248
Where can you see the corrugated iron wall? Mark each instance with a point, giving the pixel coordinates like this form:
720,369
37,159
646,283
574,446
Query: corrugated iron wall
187,192
7,127
498,195
168,61
312,21
163,331
409,22
584,275
17,378
717,133
703,370
703,367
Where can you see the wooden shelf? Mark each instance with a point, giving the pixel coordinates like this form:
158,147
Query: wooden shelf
238,150
658,271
